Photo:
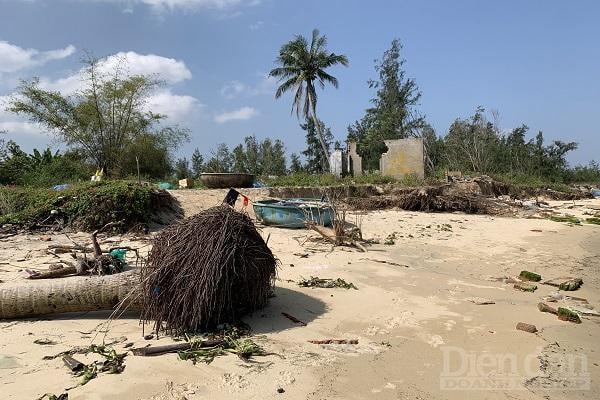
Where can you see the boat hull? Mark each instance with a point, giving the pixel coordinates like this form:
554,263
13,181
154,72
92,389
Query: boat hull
293,213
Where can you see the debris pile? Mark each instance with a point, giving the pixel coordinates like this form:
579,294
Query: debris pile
326,283
208,269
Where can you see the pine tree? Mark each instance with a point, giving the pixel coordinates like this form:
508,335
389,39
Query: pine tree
393,114
295,164
316,162
197,163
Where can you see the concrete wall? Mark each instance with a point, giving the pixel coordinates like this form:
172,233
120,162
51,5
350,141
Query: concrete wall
404,157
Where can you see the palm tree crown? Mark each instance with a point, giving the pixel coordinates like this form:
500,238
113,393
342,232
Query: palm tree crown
300,66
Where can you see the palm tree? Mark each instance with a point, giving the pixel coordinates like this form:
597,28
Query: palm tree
300,66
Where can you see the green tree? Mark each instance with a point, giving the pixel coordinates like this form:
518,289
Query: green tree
152,152
182,168
197,163
434,149
295,164
473,144
393,114
240,162
101,119
315,160
300,67
221,159
40,168
252,150
272,157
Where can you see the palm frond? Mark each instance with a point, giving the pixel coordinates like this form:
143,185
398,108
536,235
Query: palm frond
298,99
325,77
285,86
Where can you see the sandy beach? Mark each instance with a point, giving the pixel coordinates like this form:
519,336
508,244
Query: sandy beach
432,313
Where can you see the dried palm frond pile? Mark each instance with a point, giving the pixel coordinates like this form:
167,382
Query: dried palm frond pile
206,270
428,199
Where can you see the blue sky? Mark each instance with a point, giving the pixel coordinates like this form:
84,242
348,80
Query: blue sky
536,62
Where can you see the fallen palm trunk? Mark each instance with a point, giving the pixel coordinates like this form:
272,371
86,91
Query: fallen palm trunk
174,348
77,294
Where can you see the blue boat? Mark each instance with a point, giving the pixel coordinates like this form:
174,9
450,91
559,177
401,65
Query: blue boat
292,213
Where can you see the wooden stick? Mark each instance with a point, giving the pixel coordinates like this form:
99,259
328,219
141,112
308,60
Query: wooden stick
53,273
293,319
334,341
97,249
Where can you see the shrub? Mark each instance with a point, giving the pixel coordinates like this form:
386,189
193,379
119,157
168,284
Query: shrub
86,206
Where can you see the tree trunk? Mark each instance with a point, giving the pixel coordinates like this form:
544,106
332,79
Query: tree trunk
319,132
76,294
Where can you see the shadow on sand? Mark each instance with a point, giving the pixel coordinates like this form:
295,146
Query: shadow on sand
294,302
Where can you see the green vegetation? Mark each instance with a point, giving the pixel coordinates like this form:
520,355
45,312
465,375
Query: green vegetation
86,206
530,276
565,218
315,281
112,363
477,145
316,180
106,125
106,121
593,220
393,114
315,159
302,65
233,343
40,168
564,314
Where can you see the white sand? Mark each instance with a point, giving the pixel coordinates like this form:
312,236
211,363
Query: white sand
406,318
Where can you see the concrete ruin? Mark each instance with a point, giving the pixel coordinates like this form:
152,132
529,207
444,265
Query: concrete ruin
354,160
404,157
336,161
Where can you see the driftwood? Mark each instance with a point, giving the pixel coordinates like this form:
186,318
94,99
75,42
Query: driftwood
543,307
334,341
173,348
53,272
330,235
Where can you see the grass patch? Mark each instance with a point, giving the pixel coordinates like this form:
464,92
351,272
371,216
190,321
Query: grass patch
566,218
317,180
86,206
593,220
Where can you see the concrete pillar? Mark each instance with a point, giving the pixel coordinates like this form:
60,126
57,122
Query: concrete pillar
354,160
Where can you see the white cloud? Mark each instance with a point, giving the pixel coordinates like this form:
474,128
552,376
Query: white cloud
169,70
257,25
173,5
242,114
190,4
16,124
14,58
176,107
235,88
